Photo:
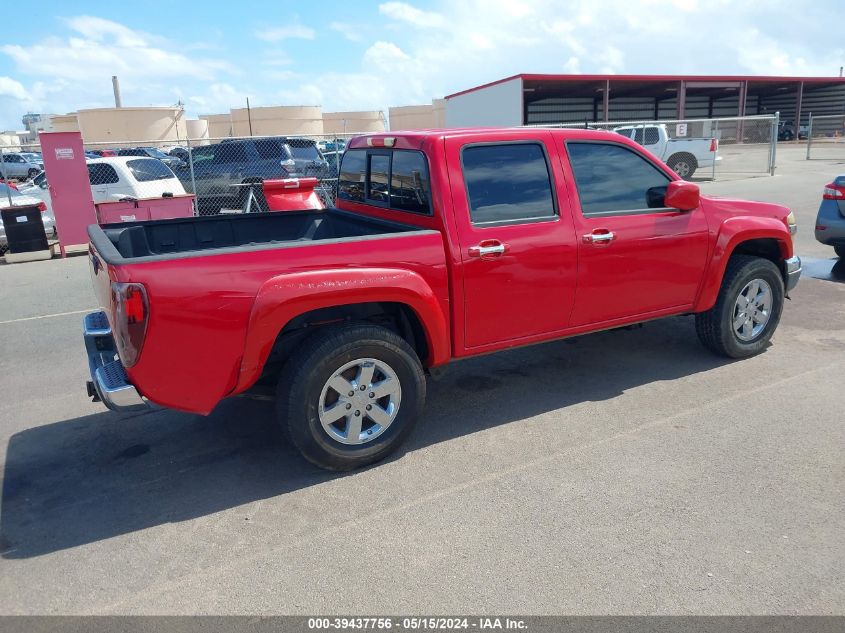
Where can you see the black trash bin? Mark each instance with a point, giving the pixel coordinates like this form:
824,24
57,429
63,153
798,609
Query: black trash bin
24,229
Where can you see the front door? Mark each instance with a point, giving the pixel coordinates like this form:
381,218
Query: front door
517,245
636,258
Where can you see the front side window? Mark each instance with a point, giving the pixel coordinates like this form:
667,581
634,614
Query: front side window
614,179
507,182
148,169
102,174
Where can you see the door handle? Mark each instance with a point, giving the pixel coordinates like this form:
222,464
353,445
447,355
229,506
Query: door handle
488,249
599,236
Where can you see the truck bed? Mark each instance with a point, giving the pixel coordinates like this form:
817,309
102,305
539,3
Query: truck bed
185,237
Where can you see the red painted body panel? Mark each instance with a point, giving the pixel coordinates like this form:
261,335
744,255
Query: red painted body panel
214,317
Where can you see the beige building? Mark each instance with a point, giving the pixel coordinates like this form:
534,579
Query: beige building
419,117
353,122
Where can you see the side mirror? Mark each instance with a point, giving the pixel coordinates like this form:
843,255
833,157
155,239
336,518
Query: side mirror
682,195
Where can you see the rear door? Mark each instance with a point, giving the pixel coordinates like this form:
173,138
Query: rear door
103,179
636,257
517,245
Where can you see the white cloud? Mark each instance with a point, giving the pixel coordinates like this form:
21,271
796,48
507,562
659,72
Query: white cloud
14,89
404,12
287,32
349,31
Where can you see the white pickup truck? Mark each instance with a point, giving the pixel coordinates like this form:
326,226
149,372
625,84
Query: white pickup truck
683,155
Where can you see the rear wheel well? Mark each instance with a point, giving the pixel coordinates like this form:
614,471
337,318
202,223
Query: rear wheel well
690,158
397,317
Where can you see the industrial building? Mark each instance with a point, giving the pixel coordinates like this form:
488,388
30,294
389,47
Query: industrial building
527,99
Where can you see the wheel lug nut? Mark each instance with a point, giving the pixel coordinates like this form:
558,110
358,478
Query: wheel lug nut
351,393
363,387
348,406
372,394
357,413
369,407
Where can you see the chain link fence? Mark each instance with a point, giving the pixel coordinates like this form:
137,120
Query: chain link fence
826,137
743,145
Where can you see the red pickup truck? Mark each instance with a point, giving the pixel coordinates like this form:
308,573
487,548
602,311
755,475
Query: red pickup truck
442,245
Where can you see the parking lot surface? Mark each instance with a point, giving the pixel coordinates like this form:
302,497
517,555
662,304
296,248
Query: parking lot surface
622,472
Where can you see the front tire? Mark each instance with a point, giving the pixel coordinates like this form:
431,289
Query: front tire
350,396
32,173
747,310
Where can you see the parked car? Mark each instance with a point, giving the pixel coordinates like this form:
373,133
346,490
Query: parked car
153,152
786,131
223,172
332,159
118,177
23,200
15,165
443,245
182,153
104,153
830,221
683,155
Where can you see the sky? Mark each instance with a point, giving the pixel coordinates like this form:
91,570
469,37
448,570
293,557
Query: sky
370,55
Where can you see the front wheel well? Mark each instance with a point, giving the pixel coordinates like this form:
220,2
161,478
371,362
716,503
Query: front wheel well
765,247
397,317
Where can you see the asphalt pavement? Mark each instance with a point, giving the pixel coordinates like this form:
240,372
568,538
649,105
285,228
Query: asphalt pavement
626,472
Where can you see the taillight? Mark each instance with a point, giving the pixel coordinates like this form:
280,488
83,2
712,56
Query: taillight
131,313
714,145
42,207
832,191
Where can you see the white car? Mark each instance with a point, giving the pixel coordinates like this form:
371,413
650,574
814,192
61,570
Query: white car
22,200
118,178
683,155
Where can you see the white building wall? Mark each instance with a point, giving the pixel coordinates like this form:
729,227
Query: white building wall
499,105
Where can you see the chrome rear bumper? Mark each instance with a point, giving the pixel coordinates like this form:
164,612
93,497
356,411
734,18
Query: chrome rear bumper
109,382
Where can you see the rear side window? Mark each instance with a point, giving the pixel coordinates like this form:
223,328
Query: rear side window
147,169
101,174
269,148
203,154
507,182
647,136
303,150
614,179
230,153
397,179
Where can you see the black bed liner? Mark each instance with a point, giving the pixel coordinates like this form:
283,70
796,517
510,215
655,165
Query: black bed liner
181,236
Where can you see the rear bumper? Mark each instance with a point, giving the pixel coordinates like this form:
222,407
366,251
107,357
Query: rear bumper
109,382
792,272
830,223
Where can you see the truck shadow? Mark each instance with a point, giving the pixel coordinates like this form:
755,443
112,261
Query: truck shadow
96,477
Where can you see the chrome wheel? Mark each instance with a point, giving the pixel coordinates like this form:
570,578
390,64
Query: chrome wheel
752,310
360,401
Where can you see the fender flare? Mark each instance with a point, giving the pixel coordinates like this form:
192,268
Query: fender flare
287,296
733,232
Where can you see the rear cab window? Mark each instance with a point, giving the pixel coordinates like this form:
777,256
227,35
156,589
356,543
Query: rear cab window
394,179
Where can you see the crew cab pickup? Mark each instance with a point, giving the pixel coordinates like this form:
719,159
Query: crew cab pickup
683,155
442,245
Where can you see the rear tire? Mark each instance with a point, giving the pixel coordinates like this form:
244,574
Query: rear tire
32,173
840,251
683,164
338,373
747,310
